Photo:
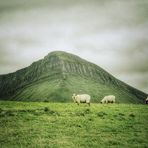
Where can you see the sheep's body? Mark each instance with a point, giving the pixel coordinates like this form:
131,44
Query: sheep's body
108,99
83,98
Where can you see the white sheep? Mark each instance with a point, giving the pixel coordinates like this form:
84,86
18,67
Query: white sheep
108,99
83,98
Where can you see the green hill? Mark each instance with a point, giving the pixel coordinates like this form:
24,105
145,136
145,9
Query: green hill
56,77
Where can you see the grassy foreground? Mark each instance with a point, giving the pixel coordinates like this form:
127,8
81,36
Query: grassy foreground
66,125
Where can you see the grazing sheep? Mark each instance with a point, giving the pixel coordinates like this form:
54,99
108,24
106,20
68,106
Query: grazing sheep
83,98
146,100
108,99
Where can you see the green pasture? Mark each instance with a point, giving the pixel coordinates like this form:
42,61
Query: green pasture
67,125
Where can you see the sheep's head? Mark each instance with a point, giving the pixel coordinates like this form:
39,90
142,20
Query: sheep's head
101,100
73,97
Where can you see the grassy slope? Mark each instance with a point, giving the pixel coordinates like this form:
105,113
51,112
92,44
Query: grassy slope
34,124
61,90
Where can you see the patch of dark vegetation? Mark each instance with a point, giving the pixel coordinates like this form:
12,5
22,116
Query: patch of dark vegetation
83,113
87,111
101,114
7,113
130,126
132,115
46,100
46,109
1,110
90,119
112,142
51,112
37,112
27,110
80,114
79,125
119,116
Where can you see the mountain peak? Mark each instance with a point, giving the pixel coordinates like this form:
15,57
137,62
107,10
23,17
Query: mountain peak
59,75
56,53
62,55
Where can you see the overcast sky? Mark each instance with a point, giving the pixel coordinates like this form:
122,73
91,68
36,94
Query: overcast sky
110,33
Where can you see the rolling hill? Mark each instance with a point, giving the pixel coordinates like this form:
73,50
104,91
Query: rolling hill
56,77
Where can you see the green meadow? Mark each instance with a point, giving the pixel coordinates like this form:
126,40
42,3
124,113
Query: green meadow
67,125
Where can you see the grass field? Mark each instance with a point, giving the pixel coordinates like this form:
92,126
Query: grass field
67,125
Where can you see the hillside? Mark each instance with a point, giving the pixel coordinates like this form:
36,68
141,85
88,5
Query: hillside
56,77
